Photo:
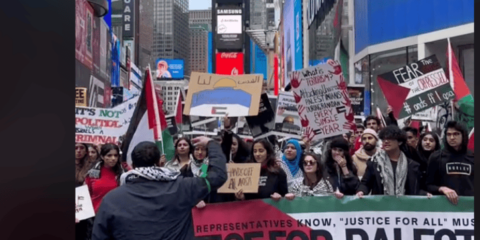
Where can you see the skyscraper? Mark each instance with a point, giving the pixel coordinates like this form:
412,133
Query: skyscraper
171,38
200,26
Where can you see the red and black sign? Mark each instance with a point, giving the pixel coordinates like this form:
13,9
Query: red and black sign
230,63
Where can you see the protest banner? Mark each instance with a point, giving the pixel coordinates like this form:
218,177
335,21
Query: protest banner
287,121
213,95
357,100
83,204
416,87
241,176
103,125
321,95
328,218
265,120
80,97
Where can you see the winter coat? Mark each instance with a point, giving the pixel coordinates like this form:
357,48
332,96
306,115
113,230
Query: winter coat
145,209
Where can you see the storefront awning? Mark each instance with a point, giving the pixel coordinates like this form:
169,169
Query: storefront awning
100,7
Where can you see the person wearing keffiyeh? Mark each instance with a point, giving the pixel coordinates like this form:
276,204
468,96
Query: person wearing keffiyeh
389,171
290,160
156,202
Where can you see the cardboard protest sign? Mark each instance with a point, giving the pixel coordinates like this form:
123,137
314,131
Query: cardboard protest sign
322,99
103,125
80,97
416,87
83,204
241,176
427,115
357,100
287,121
265,120
213,95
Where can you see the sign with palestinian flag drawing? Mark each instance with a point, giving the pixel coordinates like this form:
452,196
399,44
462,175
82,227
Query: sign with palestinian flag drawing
416,87
328,218
323,104
213,95
103,125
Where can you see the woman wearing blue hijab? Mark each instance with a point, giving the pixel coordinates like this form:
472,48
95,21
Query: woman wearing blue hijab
292,154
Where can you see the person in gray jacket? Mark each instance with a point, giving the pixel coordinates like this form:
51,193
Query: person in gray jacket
154,202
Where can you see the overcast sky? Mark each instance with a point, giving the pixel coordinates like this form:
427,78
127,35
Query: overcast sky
199,4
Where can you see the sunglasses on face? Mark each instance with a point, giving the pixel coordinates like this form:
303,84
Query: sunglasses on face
307,163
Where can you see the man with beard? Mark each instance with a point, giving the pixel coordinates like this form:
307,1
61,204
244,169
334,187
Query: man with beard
371,122
389,171
369,141
451,171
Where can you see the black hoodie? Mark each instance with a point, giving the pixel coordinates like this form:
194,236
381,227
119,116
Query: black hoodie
452,169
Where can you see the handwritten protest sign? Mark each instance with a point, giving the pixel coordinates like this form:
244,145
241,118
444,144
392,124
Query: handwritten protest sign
322,99
416,87
357,99
213,95
80,97
287,121
83,204
244,176
103,125
264,121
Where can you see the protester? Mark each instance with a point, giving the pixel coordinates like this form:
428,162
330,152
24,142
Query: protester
428,143
371,122
81,163
183,154
315,181
93,154
451,170
389,171
156,203
273,179
290,160
340,168
412,136
359,131
81,168
103,177
368,149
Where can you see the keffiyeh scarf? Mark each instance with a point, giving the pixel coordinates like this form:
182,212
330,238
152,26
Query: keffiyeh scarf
151,173
197,165
384,166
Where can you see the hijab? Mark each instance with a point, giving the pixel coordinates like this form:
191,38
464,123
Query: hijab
293,165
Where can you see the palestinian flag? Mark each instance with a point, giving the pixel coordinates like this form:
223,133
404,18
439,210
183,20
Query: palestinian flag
148,123
463,102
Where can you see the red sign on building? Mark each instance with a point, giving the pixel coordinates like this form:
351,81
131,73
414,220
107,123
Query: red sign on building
229,63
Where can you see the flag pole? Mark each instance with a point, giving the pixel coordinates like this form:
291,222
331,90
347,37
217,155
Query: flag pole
155,106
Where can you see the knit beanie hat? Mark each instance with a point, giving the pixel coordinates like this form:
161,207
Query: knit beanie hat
339,142
370,131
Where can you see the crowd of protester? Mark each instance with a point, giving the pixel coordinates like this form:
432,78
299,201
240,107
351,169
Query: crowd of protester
374,160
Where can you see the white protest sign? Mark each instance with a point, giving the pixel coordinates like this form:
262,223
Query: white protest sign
83,204
427,115
321,95
103,125
287,121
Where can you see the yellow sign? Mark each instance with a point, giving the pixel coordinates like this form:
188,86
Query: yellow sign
80,97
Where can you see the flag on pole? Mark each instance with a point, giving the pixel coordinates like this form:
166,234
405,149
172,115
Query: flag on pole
148,123
383,123
463,103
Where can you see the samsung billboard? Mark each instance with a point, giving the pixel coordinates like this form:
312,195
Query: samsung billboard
229,28
170,69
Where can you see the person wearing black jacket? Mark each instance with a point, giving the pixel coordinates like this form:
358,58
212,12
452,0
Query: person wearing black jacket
156,203
451,170
389,171
273,180
340,167
428,143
